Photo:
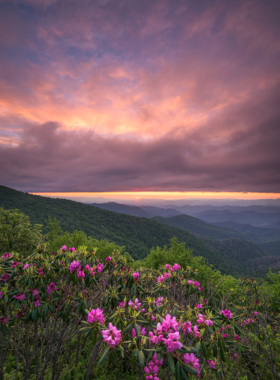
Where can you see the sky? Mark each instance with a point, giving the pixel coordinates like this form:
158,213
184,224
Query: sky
140,96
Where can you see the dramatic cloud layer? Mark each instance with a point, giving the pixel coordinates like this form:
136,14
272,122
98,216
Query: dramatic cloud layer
140,95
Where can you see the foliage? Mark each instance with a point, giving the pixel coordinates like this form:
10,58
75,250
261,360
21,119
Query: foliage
59,309
16,232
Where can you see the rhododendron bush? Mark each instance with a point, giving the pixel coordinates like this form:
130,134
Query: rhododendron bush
69,309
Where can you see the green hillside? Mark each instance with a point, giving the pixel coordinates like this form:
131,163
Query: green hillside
138,235
272,248
199,227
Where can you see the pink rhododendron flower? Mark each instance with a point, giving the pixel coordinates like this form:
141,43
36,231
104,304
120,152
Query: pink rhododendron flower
87,267
75,266
37,303
236,337
208,322
196,332
40,272
187,328
6,256
212,364
51,288
3,320
99,268
19,297
225,335
5,277
198,305
92,272
122,304
81,274
95,316
192,360
153,368
176,266
226,313
256,313
64,248
169,322
166,275
26,266
167,266
160,278
112,336
15,264
136,304
200,319
73,249
109,258
135,276
1,294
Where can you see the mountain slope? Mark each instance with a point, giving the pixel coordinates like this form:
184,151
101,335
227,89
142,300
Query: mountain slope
138,235
256,234
199,227
272,248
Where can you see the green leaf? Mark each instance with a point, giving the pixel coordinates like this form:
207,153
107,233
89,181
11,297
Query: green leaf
141,357
185,375
171,363
104,356
85,329
178,371
205,351
189,369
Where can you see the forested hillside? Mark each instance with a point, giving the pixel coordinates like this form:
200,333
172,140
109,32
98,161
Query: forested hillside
138,235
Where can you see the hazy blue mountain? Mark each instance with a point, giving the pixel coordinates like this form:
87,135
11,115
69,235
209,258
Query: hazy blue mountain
256,234
257,219
123,209
200,227
157,211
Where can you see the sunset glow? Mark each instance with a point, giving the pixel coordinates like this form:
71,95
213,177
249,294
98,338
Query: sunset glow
163,195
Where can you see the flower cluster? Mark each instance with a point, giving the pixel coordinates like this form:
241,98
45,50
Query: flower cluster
75,266
167,332
73,249
204,319
6,256
51,288
136,304
19,297
187,328
135,276
192,360
99,267
226,313
95,316
112,336
109,258
153,368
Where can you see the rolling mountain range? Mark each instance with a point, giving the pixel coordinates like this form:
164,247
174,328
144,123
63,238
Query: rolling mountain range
139,234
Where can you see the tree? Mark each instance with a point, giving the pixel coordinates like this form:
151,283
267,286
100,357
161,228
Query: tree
17,234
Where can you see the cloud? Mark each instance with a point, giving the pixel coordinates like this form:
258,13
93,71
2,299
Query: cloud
162,95
244,158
